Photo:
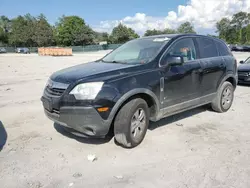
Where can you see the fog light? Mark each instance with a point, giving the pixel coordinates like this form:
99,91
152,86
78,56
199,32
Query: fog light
103,109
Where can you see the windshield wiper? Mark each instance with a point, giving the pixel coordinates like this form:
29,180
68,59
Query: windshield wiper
120,62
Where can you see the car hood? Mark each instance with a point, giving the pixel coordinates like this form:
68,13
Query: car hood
244,67
93,69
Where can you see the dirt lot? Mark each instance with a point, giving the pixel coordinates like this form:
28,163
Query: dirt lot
198,148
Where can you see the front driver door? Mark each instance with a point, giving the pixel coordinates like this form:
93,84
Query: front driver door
181,83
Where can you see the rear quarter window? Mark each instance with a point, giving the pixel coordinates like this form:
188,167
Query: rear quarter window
222,48
207,47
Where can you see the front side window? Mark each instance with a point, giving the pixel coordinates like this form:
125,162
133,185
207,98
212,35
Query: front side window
137,51
207,48
183,48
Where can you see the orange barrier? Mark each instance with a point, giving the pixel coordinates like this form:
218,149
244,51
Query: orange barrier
55,51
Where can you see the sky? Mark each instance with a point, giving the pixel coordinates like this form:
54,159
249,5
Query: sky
140,15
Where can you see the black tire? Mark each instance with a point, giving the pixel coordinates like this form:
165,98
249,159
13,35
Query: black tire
123,123
217,104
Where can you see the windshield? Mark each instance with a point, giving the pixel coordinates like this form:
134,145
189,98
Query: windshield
137,51
247,61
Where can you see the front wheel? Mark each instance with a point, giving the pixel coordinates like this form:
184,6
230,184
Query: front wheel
224,98
131,123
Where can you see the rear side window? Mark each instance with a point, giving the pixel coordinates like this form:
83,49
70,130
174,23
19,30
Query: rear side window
207,48
222,48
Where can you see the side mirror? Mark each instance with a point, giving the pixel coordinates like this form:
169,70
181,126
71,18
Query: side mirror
175,60
241,62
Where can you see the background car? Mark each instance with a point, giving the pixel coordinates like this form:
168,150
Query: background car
3,50
23,50
244,72
246,48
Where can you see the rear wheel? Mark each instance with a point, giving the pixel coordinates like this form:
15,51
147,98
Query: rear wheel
224,98
131,123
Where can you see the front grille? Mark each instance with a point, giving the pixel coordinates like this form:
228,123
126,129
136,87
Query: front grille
56,111
54,91
243,73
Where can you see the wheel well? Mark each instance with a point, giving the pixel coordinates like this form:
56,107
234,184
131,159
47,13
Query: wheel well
149,100
232,81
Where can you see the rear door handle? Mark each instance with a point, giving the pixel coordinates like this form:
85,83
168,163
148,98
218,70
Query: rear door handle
222,65
198,71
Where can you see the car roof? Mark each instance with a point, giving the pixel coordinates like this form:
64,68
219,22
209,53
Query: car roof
170,35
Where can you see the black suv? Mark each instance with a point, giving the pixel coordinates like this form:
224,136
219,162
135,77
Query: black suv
143,80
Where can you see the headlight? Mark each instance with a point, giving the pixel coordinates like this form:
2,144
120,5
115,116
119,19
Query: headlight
49,83
86,91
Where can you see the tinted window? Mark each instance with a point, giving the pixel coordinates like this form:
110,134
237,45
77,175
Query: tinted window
184,48
207,48
222,48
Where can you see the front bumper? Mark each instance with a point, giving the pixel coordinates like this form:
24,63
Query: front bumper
85,120
244,79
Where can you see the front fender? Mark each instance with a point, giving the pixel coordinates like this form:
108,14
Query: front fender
120,101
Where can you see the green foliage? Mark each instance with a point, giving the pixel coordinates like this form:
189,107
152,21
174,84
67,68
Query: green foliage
159,32
223,27
186,28
72,30
30,31
5,26
236,30
152,32
122,34
100,37
19,31
215,36
183,28
3,36
43,33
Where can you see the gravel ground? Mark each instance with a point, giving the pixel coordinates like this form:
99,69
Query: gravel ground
198,148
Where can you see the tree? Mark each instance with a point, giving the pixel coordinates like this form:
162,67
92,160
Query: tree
16,37
169,31
29,30
246,34
71,30
223,27
186,28
240,20
152,32
159,32
22,31
5,25
214,36
122,34
99,37
43,32
235,30
3,36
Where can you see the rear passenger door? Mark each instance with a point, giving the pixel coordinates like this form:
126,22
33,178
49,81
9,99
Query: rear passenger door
212,64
